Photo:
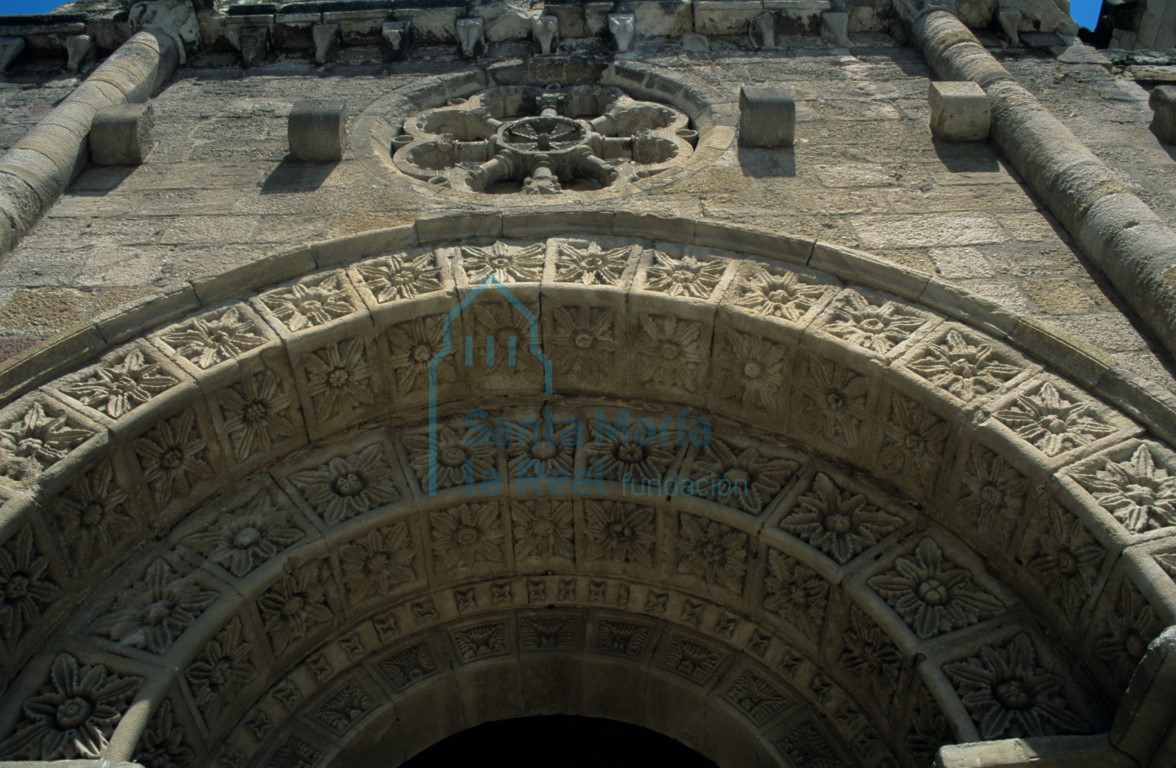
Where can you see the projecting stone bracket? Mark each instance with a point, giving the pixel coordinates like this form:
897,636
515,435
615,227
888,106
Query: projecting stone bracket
397,40
1145,726
174,18
1163,104
767,116
10,48
316,129
960,111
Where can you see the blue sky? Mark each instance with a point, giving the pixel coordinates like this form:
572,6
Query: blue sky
1085,12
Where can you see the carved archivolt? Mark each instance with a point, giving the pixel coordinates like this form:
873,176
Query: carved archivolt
224,526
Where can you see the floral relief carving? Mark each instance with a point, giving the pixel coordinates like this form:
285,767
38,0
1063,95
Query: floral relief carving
162,744
174,457
458,458
807,747
914,442
671,351
349,485
392,278
932,594
620,532
795,593
758,698
310,302
414,344
839,523
688,276
964,369
876,327
621,452
1066,558
993,494
549,633
713,552
295,753
1009,695
545,450
155,610
480,641
506,263
119,385
500,327
621,638
869,653
585,339
91,511
1052,422
221,670
1137,492
378,562
543,529
38,438
692,660
755,477
295,605
750,371
26,589
339,378
467,536
214,338
345,708
1127,630
833,402
247,537
777,293
406,667
257,414
929,729
591,265
74,715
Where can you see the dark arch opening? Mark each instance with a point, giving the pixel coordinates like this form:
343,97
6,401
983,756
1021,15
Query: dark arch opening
542,742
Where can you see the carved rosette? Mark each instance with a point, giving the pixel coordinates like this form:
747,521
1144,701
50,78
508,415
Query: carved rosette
542,141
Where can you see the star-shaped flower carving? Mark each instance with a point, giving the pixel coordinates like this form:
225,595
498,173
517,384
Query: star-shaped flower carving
876,327
839,523
687,276
779,294
339,378
963,369
118,387
215,337
1052,422
309,303
592,265
392,278
506,263
1140,494
466,536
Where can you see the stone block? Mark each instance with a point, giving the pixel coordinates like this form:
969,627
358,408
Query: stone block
545,34
397,40
835,28
960,111
471,34
121,135
80,52
1163,104
767,116
326,42
255,45
316,131
622,27
10,48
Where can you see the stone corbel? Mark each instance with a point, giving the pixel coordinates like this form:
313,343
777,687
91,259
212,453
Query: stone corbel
174,18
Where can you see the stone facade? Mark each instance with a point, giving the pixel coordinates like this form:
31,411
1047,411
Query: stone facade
551,396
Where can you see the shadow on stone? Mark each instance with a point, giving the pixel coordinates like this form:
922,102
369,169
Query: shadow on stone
293,176
95,182
767,163
975,157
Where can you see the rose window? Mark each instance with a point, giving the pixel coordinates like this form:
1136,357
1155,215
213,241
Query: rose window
542,140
